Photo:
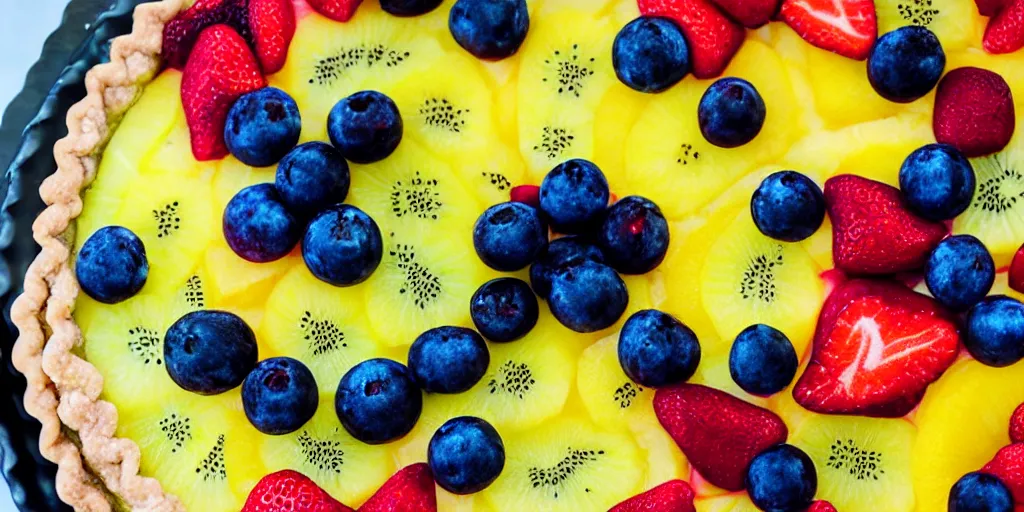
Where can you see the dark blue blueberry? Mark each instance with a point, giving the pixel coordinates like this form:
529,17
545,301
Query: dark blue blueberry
573,196
782,479
959,272
788,206
650,54
366,127
209,352
489,29
762,360
906,63
258,226
262,126
657,350
980,492
342,246
378,401
995,331
562,252
465,455
634,236
111,266
409,7
504,309
731,112
279,396
312,177
588,297
937,181
509,236
448,359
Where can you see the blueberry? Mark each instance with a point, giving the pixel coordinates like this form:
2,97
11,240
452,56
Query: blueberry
788,206
504,309
731,112
279,396
448,359
258,226
312,177
509,236
409,7
342,246
366,127
657,350
762,360
937,181
489,29
650,54
959,272
906,63
209,352
465,455
995,331
561,253
262,126
111,266
573,196
782,478
634,235
588,297
979,492
378,401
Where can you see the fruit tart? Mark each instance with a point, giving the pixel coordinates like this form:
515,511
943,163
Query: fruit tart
552,255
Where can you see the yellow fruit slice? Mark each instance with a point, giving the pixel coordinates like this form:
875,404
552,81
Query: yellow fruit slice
237,281
231,177
610,397
713,371
996,213
953,22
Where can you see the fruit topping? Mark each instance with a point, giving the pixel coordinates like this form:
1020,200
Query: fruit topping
587,297
990,8
292,491
337,10
220,69
1008,466
873,232
466,454
279,395
573,196
974,111
1016,275
258,226
448,359
846,27
980,492
111,266
937,182
713,37
526,194
719,433
731,112
650,54
788,206
181,33
312,177
657,350
877,347
489,29
671,496
762,360
1005,31
209,352
378,401
782,478
411,489
749,13
1017,425
561,253
273,25
905,64
509,236
366,127
821,506
996,214
959,272
409,7
995,331
504,309
342,246
634,235
262,126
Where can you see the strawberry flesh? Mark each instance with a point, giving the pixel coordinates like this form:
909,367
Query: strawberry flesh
337,10
292,491
671,496
1005,31
749,13
846,27
1016,275
821,506
714,38
180,34
1008,466
409,490
973,111
719,433
273,24
526,194
1017,425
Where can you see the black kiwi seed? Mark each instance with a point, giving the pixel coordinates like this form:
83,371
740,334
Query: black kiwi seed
499,181
167,220
328,70
324,454
554,142
861,464
441,113
212,466
572,71
323,336
512,379
554,476
422,285
990,196
687,154
193,293
759,278
418,197
917,12
625,394
147,344
177,430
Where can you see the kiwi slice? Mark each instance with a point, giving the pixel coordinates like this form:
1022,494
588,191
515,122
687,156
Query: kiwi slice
996,213
954,23
609,396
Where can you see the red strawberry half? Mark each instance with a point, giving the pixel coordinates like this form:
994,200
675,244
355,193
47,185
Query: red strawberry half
1005,31
526,194
1017,425
749,13
973,111
719,433
181,33
713,37
872,230
1008,466
821,506
877,347
337,10
1016,276
220,69
846,27
409,490
273,25
671,496
292,491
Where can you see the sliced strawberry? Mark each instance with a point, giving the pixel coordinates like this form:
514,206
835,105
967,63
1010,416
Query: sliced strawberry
181,33
292,491
526,194
821,506
719,433
1005,31
273,25
973,111
220,69
873,232
671,496
409,490
846,27
713,37
1008,466
749,13
1016,276
990,7
1017,425
877,347
337,10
